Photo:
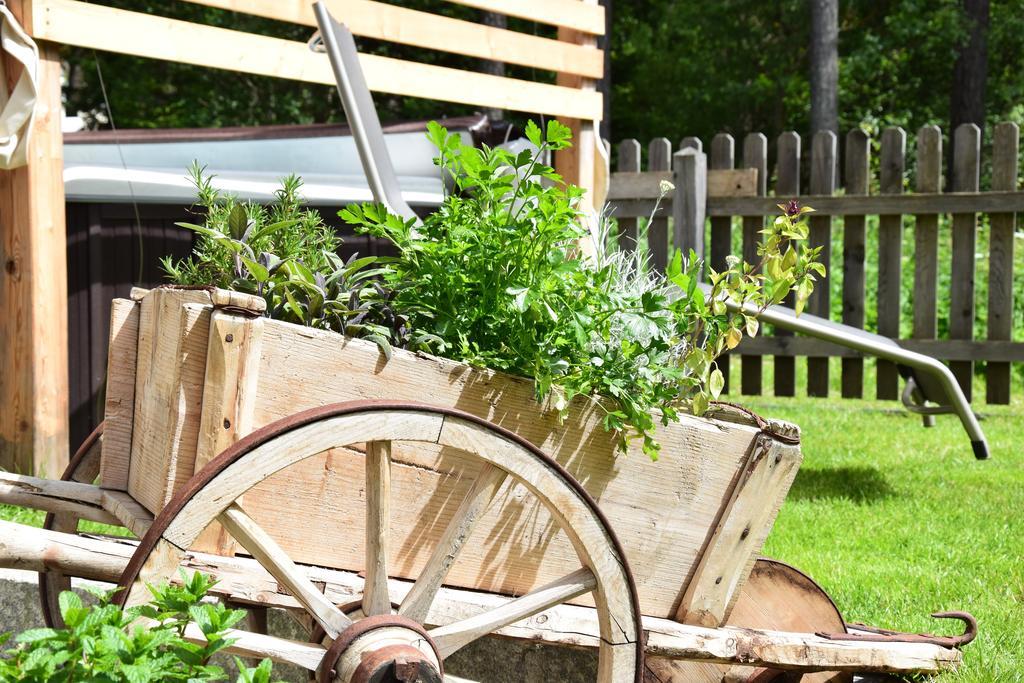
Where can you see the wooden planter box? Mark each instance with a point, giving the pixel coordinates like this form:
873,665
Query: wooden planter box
186,378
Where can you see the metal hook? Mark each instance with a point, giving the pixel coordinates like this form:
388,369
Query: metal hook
881,635
315,42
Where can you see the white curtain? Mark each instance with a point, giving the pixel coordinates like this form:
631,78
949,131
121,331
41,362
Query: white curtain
17,106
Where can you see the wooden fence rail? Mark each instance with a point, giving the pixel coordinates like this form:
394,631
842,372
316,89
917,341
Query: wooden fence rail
727,186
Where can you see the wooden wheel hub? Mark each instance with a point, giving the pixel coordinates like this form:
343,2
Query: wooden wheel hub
382,649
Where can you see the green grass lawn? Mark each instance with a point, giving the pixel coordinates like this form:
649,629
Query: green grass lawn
896,521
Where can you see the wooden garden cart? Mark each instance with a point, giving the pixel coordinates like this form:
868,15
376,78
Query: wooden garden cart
403,508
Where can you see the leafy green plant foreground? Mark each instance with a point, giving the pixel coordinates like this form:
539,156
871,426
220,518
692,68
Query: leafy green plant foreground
107,644
499,277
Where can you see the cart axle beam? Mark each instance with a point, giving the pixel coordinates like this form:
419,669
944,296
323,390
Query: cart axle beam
242,580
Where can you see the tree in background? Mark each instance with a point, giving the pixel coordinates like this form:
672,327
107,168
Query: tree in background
970,72
698,68
824,59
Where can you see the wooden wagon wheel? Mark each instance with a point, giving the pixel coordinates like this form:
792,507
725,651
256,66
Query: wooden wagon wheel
83,467
385,646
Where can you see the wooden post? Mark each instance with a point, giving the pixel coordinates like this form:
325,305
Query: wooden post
723,152
659,158
857,176
787,186
823,181
576,165
690,169
33,285
926,234
629,162
966,171
755,155
890,258
1005,146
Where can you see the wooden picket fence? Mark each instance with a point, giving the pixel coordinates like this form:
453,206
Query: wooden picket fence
718,187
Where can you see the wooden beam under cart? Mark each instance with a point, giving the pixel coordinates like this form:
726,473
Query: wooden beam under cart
243,581
33,285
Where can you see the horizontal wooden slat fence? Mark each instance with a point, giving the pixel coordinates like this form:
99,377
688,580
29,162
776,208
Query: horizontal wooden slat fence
739,188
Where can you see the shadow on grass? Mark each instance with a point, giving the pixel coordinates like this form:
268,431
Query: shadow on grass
859,484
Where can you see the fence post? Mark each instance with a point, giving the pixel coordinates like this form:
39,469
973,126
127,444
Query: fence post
659,158
723,152
1005,146
823,181
857,175
690,171
890,256
755,155
629,162
787,186
33,285
926,234
966,154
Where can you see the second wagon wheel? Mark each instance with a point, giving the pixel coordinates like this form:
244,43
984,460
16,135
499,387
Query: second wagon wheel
400,644
83,467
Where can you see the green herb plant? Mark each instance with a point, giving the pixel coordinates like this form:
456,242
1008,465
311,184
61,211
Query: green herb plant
287,255
105,644
496,277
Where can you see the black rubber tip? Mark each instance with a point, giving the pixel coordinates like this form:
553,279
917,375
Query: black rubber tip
980,450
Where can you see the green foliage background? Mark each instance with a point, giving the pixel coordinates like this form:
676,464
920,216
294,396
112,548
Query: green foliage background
698,68
679,67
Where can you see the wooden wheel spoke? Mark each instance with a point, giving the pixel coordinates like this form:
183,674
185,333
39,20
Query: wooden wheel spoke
454,636
258,646
273,558
378,518
417,602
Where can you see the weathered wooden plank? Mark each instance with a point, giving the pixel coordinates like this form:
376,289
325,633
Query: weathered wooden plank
119,402
451,637
629,167
129,513
732,182
659,158
1005,147
392,23
943,349
171,366
722,158
917,203
966,170
857,175
145,35
242,580
731,551
755,155
270,555
823,182
229,386
417,602
926,234
378,523
581,164
787,186
890,257
53,495
737,182
567,13
691,176
691,142
515,547
33,283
